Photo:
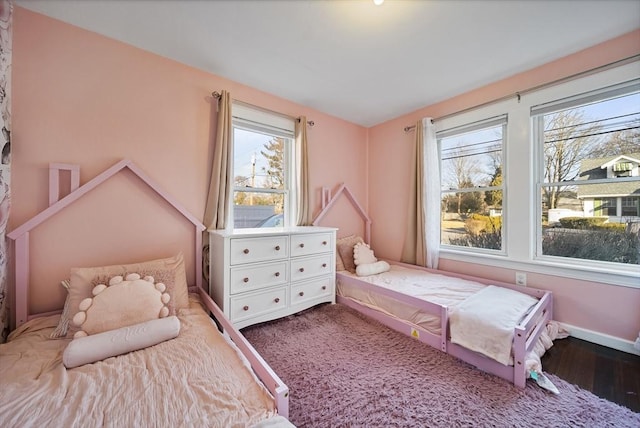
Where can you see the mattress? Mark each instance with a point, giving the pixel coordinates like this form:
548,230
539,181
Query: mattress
197,379
435,288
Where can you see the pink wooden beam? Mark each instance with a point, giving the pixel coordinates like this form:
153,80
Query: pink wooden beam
21,233
328,202
326,196
54,179
22,279
269,378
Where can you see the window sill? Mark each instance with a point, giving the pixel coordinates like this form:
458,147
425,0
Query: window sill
627,277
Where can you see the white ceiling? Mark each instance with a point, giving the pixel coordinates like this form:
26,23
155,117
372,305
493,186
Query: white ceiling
352,59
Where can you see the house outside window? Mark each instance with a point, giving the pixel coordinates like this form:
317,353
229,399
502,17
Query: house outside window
262,159
570,154
590,151
472,189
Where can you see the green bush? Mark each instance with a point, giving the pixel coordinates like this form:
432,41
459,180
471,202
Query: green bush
609,245
611,226
582,222
473,226
490,240
490,223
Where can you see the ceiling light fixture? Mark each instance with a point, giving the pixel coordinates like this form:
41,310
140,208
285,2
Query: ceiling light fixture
378,2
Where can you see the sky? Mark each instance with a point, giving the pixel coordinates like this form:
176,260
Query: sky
247,145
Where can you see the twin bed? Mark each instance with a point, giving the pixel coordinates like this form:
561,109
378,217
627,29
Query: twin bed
485,323
498,327
206,375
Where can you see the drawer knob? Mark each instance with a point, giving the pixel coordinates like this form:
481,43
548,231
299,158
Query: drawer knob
277,300
277,273
302,245
324,287
301,293
324,242
324,265
245,280
245,308
301,269
277,247
246,251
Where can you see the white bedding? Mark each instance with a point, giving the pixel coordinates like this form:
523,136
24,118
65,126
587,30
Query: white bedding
196,379
484,322
439,289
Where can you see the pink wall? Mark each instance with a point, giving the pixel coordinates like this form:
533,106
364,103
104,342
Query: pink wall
86,99
83,98
587,305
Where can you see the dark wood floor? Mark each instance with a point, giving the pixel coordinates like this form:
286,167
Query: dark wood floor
608,373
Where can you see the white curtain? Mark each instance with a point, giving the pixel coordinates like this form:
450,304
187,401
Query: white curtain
431,193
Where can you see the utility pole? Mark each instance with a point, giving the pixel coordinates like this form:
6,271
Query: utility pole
253,177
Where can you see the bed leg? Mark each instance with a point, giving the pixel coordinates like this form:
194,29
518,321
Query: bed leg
444,325
519,350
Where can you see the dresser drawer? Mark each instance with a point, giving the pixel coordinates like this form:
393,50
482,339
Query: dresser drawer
309,267
249,250
261,275
249,305
311,243
309,290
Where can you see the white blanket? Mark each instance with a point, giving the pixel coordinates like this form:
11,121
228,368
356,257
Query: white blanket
485,321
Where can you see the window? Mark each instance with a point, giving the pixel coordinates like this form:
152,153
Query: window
605,207
472,191
631,207
588,144
262,154
568,199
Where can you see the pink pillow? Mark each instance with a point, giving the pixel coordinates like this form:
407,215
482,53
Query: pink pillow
124,302
84,279
345,249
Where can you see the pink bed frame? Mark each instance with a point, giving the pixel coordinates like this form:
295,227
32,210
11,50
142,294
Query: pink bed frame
20,235
525,334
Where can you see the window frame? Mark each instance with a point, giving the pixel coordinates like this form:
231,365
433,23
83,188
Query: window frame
607,204
521,208
480,125
254,119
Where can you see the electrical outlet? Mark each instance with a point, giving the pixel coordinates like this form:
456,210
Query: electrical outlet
521,278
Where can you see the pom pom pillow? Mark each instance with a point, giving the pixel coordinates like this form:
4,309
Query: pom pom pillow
366,262
169,271
124,302
363,254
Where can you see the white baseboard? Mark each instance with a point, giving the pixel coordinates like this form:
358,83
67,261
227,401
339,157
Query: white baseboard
602,339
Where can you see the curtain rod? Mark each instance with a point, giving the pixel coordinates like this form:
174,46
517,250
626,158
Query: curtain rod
217,95
518,94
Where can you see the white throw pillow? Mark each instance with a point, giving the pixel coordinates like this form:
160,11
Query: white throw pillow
89,349
372,268
363,254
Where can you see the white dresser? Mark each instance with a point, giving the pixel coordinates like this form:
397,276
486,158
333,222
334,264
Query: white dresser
261,274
